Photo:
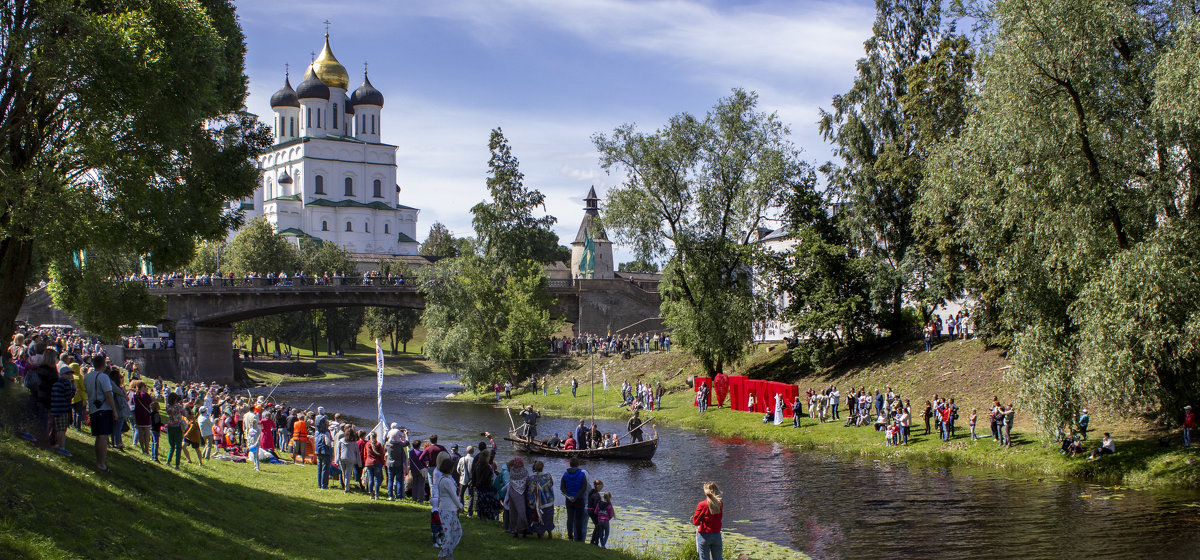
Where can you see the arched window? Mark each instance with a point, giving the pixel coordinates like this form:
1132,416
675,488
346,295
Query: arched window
324,225
372,124
319,121
320,184
349,227
335,115
308,117
386,228
377,186
292,120
349,186
363,128
367,227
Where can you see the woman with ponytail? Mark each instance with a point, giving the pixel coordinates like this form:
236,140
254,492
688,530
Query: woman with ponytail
707,520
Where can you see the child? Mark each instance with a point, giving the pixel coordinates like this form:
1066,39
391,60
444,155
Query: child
603,512
971,423
192,436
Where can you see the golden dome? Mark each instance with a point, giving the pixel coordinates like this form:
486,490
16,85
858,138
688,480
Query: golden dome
329,70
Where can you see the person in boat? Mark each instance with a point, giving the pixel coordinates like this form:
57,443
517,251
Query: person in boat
581,433
635,428
553,442
614,441
597,436
530,416
571,443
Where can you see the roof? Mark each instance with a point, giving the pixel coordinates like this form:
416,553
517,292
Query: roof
590,223
286,198
366,94
312,87
781,233
349,204
402,238
286,96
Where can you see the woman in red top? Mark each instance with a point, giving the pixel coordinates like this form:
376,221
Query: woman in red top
707,520
375,453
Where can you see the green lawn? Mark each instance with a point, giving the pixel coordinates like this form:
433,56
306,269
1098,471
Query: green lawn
56,507
1142,462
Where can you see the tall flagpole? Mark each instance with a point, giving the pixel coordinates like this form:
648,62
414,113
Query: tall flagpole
592,389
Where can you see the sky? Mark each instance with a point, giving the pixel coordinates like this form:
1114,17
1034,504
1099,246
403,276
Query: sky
551,74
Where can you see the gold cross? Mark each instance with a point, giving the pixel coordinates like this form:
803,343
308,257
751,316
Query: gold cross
327,28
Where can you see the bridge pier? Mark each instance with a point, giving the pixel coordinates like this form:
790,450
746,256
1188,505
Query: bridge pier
205,352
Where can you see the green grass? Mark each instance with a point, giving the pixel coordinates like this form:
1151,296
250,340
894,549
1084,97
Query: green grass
963,370
332,370
56,507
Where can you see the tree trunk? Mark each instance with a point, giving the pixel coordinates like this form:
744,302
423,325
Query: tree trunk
15,258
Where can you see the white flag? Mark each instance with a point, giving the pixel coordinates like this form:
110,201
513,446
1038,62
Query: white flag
604,378
379,389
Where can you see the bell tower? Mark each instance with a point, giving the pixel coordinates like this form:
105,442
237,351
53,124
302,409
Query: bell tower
591,252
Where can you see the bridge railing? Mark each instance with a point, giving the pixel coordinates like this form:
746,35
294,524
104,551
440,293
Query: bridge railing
289,282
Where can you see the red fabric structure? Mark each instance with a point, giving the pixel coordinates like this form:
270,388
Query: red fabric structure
787,392
721,385
737,392
754,387
696,385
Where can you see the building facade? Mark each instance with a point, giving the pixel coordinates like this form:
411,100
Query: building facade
592,252
328,175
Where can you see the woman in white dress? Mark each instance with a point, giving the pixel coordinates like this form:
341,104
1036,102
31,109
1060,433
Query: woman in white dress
778,409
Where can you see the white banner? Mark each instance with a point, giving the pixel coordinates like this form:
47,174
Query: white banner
604,377
382,426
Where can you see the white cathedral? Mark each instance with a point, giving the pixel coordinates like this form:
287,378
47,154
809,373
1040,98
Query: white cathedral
328,175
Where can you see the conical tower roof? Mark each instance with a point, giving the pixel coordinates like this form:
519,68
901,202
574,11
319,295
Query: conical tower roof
591,220
329,70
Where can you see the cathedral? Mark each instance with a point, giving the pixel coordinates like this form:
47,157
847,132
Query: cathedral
329,176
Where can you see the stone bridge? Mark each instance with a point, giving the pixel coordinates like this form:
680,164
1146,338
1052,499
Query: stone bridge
204,314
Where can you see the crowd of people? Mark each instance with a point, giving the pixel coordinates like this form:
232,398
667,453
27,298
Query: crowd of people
615,344
281,278
955,324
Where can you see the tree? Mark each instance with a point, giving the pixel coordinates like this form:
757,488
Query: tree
1074,183
489,322
505,228
881,147
123,130
638,266
486,314
693,194
208,257
440,242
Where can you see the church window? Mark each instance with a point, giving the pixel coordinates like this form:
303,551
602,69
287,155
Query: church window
363,128
386,228
367,227
378,188
292,120
349,227
335,115
372,124
308,117
324,225
320,184
349,186
319,121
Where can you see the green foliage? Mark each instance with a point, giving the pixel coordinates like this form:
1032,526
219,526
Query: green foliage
505,227
1072,189
881,130
440,242
102,304
257,248
486,320
207,259
396,325
692,191
638,266
123,130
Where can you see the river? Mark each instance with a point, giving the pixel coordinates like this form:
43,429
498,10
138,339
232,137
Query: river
824,506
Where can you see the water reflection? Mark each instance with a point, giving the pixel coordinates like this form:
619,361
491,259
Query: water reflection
825,506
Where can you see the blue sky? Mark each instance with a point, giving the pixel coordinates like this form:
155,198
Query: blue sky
552,73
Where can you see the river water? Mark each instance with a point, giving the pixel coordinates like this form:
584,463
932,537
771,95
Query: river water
824,506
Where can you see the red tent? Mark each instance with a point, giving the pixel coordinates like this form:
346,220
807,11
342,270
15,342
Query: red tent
787,393
737,392
701,382
753,387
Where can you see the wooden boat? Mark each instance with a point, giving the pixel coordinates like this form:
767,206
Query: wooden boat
642,450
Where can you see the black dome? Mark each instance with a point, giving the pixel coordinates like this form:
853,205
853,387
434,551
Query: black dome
366,94
312,88
285,97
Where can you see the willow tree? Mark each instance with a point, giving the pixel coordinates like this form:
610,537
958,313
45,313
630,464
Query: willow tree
122,129
1078,187
694,194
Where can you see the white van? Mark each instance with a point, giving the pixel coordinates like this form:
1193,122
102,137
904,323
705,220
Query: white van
152,337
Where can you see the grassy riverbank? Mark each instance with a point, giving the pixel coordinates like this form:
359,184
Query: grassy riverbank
58,507
964,370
